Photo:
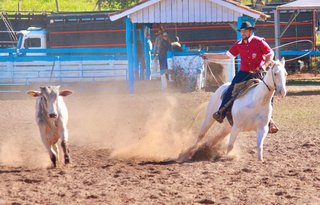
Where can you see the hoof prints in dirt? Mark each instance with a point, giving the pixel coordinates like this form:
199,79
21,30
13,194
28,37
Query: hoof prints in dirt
206,201
159,163
30,181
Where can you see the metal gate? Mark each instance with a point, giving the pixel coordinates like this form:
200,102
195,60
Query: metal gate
83,72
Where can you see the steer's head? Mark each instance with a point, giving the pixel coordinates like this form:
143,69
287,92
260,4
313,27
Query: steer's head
49,98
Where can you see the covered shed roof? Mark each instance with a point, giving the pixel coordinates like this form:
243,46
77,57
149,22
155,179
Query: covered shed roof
301,4
192,11
297,6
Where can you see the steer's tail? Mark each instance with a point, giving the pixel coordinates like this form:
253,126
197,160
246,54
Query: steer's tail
199,109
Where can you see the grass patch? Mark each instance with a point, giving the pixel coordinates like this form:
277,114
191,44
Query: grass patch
48,5
298,112
303,82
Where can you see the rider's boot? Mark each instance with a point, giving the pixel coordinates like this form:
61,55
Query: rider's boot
219,117
273,128
221,114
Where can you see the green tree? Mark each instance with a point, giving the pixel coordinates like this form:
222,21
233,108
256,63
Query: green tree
263,2
115,4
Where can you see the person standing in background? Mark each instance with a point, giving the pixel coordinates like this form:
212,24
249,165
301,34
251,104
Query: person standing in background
157,43
176,46
165,46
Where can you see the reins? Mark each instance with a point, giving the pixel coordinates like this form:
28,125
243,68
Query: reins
275,86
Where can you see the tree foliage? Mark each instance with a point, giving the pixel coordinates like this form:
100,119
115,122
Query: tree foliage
115,4
121,4
264,1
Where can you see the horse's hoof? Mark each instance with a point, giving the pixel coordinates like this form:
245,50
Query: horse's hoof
182,157
67,160
229,149
185,155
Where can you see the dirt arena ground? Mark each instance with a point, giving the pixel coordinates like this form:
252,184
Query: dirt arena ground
124,150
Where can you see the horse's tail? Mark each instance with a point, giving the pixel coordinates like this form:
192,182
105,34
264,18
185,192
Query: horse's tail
199,109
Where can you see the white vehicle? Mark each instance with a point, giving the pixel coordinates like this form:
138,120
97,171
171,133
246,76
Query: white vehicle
33,38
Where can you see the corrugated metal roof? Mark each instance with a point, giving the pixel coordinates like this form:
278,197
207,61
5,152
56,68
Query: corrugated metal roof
301,4
191,11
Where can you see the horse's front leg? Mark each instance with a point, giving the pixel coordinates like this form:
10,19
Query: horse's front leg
233,135
188,153
261,135
204,129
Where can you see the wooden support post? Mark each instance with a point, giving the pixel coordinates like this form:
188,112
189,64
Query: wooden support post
57,5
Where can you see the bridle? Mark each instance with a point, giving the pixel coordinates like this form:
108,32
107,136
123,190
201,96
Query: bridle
275,86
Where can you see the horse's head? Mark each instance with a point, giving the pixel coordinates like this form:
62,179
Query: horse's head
279,75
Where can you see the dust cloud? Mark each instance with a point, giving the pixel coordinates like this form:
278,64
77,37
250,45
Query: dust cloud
162,140
20,142
151,126
133,126
16,154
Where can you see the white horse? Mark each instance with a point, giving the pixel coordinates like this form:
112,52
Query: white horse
252,112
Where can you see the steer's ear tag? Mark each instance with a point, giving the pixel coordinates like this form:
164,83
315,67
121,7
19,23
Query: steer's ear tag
33,93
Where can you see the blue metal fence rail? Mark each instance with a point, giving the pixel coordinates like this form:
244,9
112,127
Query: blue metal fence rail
101,59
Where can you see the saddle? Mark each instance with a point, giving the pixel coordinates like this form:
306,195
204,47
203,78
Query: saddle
239,90
243,88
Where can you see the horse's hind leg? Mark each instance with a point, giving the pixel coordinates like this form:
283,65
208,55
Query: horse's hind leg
223,132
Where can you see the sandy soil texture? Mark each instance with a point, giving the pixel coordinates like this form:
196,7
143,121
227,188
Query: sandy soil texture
124,150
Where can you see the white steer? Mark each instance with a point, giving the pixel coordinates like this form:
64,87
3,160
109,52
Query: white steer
52,119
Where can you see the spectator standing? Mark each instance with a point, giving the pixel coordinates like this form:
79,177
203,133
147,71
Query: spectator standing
165,46
176,46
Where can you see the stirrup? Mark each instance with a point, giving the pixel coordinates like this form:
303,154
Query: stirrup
218,117
273,128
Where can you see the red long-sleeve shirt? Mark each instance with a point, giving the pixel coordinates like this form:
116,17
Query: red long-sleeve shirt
253,53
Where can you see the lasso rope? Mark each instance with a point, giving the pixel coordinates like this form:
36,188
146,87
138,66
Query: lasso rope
274,48
296,42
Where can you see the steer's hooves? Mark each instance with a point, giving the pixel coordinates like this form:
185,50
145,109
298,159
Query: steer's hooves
67,160
54,161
